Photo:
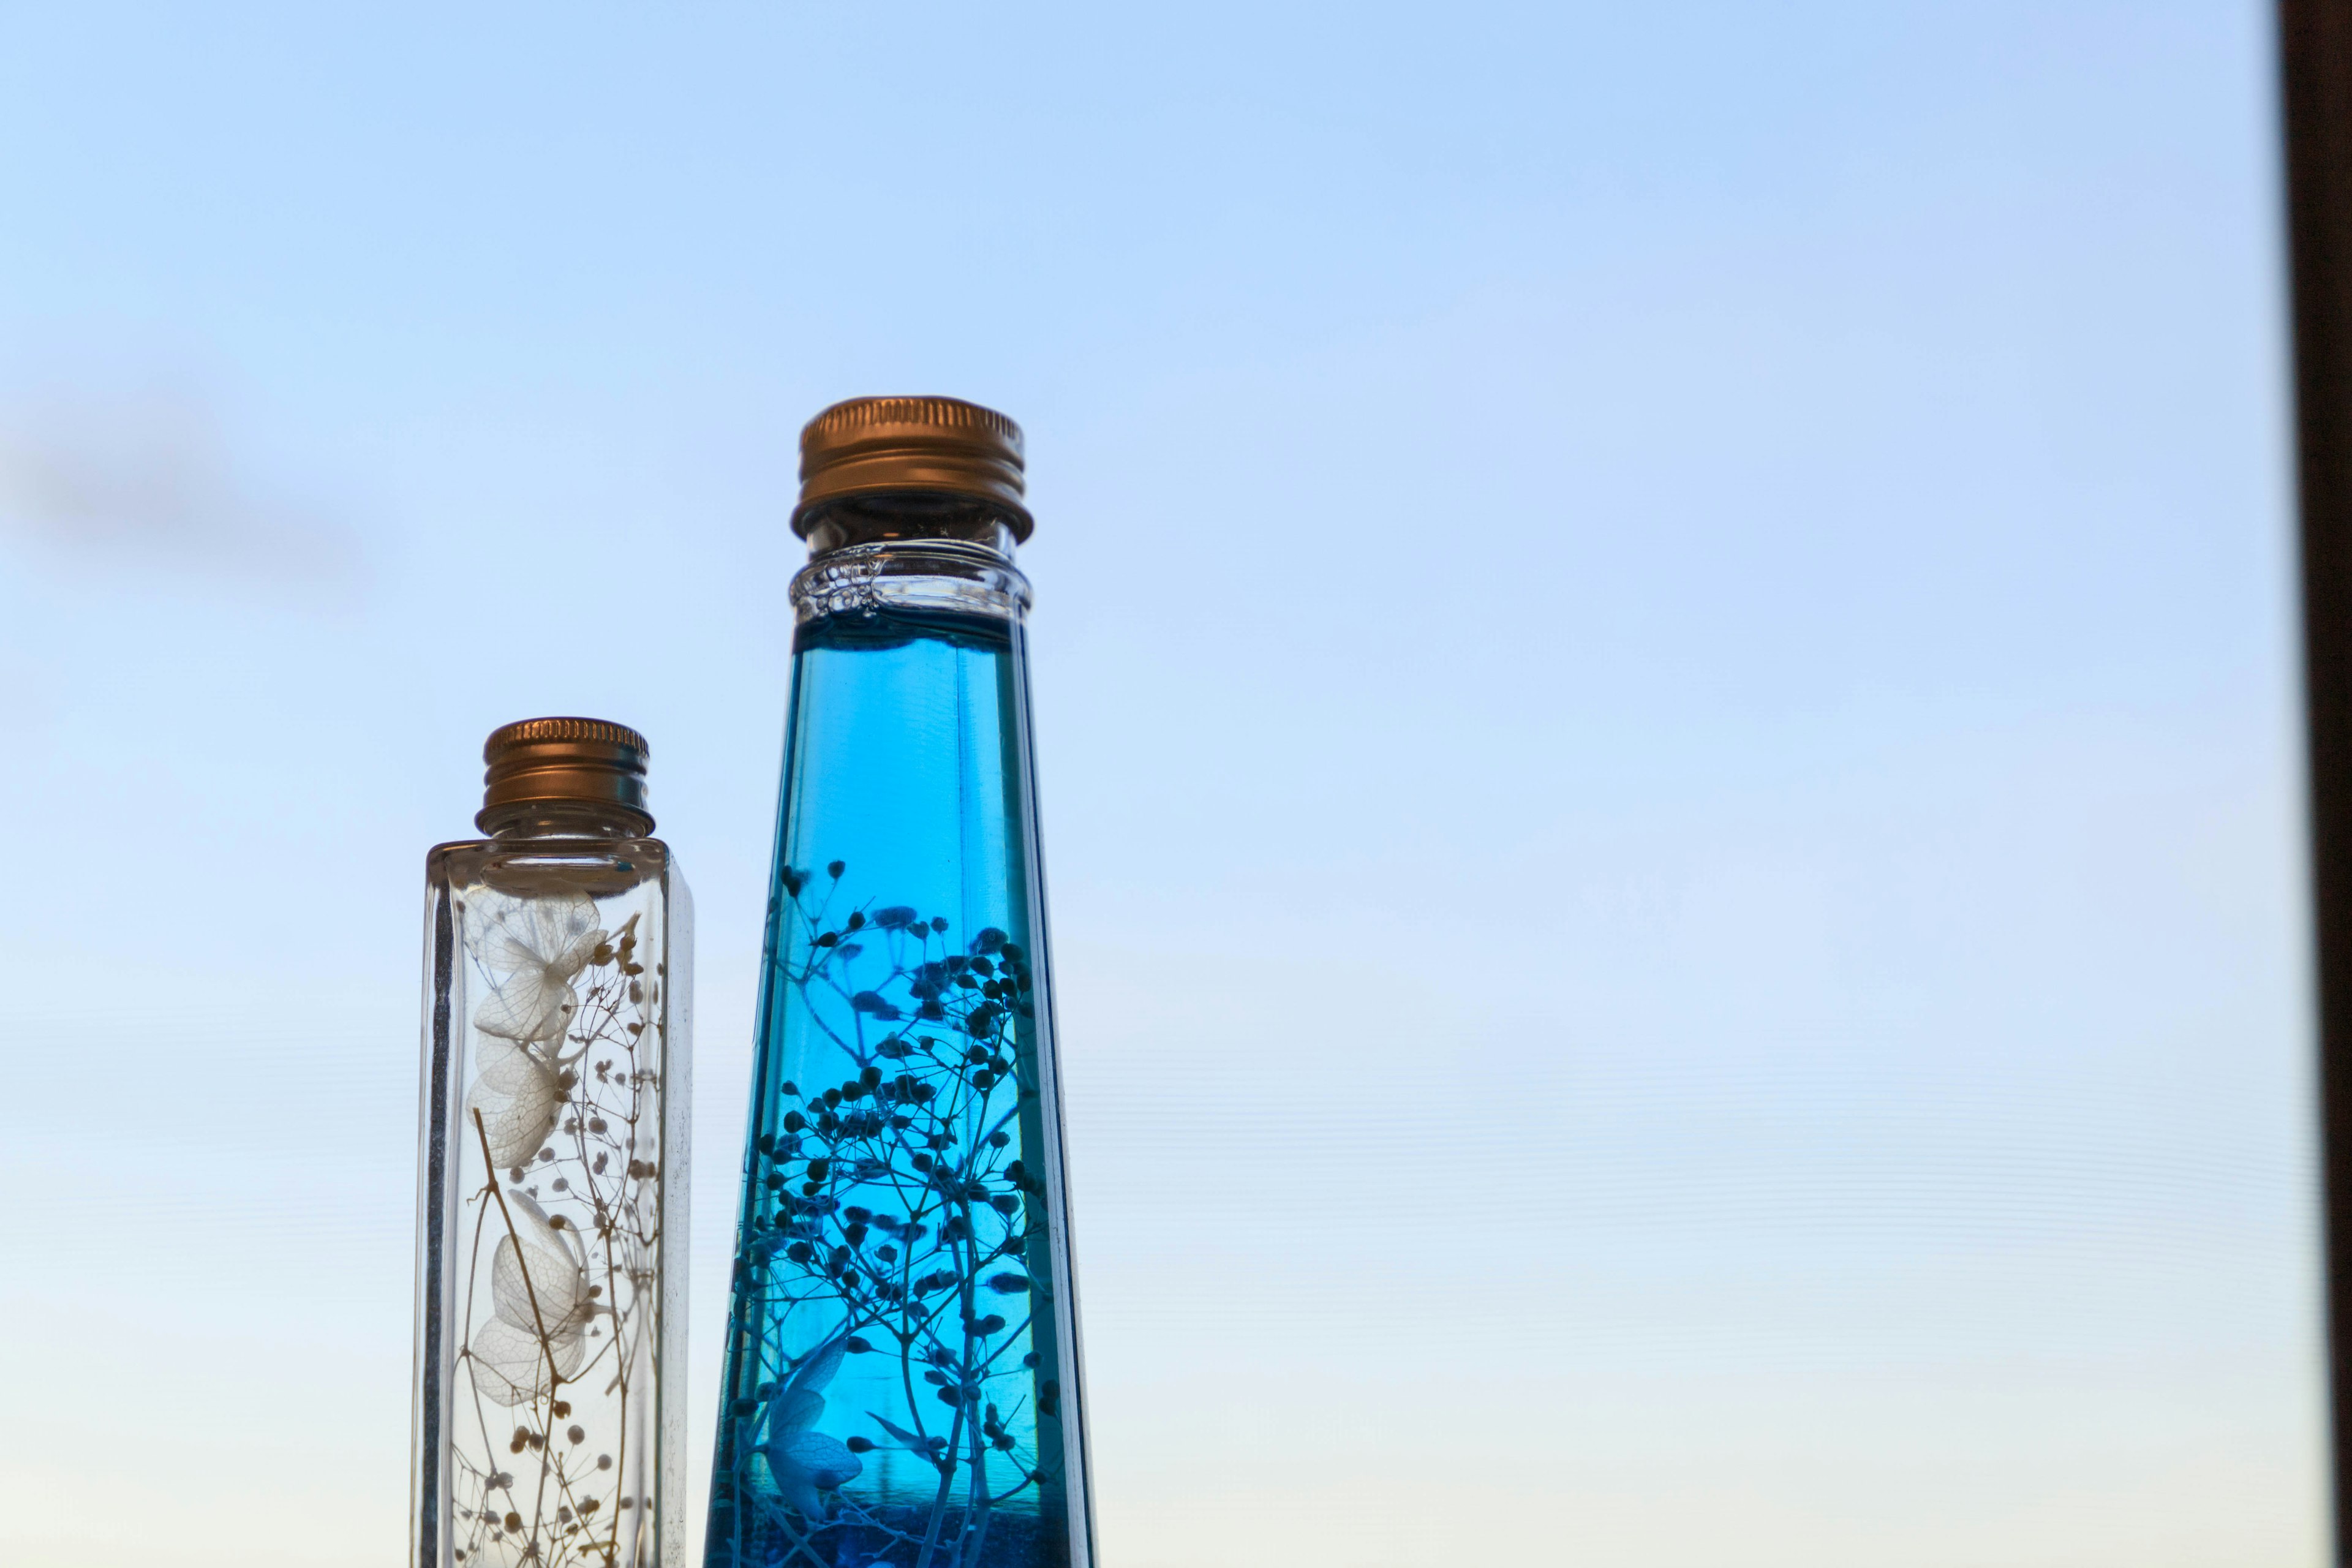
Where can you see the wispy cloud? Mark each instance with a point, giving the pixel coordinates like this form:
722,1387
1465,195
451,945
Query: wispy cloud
150,484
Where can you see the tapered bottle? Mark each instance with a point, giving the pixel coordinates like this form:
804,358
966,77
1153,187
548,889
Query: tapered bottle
901,1378
552,1234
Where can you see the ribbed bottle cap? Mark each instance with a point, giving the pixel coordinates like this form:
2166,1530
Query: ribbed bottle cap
555,761
941,446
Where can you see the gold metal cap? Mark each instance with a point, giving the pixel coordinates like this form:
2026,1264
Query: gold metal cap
574,761
941,446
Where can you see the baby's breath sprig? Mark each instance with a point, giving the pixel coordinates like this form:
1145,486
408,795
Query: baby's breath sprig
896,1208
559,1290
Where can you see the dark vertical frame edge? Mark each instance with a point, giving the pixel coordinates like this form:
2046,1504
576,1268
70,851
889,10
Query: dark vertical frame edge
2315,40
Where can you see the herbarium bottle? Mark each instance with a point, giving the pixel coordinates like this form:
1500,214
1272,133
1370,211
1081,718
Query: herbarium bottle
551,1226
901,1375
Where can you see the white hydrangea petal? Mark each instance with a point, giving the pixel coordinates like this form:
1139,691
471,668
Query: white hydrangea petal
554,1293
519,1098
497,929
542,1231
551,926
502,952
572,959
507,1363
510,1366
506,933
509,1067
517,1129
529,1004
571,1346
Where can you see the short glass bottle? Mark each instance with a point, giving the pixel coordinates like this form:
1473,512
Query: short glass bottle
553,1150
901,1384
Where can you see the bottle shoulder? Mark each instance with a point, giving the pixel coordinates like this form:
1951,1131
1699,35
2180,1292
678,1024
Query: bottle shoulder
601,868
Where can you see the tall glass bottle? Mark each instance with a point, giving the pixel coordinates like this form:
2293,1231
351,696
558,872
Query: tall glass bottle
901,1380
552,1229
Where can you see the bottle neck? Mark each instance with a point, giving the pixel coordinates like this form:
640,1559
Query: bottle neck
560,819
907,516
920,553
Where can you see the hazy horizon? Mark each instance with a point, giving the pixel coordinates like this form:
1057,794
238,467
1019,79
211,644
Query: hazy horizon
1678,620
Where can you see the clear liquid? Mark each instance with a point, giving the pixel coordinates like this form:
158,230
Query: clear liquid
550,1396
901,1380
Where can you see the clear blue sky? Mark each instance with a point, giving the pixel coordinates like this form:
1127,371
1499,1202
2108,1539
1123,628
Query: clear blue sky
1676,617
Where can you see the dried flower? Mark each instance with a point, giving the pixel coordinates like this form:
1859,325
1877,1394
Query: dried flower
807,1464
531,949
936,1062
518,1096
539,1291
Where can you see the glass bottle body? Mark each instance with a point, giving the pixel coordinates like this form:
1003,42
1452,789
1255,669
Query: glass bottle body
549,1404
901,1379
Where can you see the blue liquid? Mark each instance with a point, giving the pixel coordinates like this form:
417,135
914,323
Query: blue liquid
901,1380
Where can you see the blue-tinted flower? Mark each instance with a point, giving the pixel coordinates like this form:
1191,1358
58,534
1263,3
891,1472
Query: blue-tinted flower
807,1464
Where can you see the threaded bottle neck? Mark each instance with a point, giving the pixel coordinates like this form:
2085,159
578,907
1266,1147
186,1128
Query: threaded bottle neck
562,819
853,521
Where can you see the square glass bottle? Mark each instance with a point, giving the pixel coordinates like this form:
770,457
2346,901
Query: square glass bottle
553,1154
